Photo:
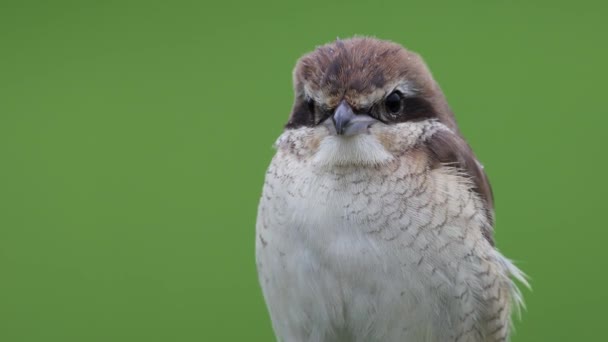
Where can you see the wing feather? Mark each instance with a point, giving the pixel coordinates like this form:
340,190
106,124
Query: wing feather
447,147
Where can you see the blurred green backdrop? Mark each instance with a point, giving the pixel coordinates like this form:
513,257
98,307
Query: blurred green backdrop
134,138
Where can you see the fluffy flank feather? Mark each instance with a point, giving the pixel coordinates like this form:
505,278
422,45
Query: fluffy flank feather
513,272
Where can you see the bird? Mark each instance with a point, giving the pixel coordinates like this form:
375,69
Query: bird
376,219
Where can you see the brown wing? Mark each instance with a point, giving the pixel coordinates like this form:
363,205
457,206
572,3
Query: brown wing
449,148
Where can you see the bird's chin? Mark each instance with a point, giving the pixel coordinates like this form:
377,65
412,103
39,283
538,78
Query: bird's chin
356,150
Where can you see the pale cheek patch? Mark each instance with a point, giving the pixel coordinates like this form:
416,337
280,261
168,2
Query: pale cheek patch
401,137
362,149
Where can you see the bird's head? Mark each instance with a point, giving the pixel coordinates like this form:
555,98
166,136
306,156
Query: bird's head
364,99
366,102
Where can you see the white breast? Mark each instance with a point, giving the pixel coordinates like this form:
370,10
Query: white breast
368,253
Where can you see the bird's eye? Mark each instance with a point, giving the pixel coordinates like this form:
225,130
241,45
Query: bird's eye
393,103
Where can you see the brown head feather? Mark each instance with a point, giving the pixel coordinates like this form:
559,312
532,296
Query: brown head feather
354,68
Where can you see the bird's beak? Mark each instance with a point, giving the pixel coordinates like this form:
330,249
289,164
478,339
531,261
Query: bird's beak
347,123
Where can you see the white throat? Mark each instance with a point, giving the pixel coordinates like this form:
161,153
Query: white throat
361,149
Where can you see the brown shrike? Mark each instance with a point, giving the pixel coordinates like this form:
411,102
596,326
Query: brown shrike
376,219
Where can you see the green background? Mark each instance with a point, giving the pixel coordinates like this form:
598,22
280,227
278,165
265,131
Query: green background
134,139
